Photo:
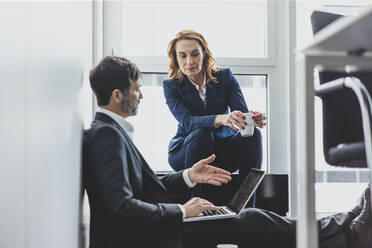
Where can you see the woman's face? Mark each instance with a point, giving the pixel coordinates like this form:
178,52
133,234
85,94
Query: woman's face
189,57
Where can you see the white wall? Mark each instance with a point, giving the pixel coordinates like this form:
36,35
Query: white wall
278,95
45,53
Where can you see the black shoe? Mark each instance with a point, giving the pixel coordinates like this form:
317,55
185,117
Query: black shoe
361,226
358,208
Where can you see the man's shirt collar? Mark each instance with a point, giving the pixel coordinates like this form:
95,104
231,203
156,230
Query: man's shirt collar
123,123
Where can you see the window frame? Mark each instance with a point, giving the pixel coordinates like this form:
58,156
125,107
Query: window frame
158,63
276,71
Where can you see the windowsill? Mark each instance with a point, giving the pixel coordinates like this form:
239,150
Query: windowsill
336,197
342,175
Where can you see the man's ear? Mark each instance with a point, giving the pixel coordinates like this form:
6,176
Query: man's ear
116,96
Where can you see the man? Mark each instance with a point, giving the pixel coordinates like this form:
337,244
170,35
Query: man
131,207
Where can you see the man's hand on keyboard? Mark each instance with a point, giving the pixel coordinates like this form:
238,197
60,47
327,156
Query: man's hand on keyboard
196,206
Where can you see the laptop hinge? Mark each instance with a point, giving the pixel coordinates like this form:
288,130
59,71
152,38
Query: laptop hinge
232,209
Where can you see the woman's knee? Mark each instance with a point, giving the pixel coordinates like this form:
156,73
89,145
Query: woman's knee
256,138
251,149
202,136
257,134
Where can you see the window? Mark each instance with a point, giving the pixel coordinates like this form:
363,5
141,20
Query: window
146,41
219,20
136,37
155,125
331,181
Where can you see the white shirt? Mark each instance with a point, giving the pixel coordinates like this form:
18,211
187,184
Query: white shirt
202,90
124,124
129,129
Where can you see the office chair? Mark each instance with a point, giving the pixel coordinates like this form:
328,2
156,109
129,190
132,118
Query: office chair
346,106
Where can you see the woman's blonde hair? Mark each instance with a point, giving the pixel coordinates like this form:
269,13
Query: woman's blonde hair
209,64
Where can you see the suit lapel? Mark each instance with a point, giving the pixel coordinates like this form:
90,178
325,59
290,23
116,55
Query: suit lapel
211,92
192,96
141,160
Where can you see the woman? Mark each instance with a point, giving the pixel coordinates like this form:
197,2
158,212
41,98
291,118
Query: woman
199,95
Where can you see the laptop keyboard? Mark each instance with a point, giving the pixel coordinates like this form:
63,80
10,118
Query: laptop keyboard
218,212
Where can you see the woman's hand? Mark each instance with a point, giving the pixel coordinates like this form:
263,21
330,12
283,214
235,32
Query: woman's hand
260,118
235,120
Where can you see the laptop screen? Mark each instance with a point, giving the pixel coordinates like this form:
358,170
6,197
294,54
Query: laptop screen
246,189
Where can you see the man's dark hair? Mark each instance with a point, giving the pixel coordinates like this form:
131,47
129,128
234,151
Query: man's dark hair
112,73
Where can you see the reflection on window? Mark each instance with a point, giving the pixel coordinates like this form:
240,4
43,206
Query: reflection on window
235,28
155,125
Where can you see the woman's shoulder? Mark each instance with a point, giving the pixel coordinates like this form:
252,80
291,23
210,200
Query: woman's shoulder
222,73
223,70
170,82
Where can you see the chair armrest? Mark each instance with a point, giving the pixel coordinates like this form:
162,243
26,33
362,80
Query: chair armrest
331,87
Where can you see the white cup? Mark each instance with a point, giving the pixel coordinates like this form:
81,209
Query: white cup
227,246
249,128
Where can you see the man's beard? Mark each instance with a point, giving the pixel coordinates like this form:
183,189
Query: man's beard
129,107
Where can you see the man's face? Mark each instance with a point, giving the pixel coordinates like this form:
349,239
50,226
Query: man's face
132,99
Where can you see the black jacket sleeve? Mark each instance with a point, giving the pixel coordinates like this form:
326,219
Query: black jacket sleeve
110,164
175,183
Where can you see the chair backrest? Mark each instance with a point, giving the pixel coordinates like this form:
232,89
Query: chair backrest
342,121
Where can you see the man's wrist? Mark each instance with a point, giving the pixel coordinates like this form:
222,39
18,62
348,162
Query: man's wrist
183,211
187,179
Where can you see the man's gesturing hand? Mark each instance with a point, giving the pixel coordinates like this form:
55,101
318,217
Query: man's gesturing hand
196,206
202,172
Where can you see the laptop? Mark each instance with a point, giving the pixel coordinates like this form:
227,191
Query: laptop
238,202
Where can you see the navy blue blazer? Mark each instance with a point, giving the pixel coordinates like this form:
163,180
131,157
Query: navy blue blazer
187,107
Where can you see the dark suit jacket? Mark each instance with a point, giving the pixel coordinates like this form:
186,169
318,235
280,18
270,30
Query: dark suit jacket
186,106
130,206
